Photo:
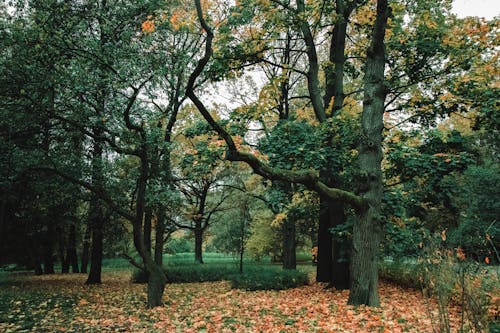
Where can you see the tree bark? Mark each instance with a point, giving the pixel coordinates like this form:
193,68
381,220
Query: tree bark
3,214
333,266
340,272
159,234
96,216
148,216
324,258
94,276
367,231
86,248
289,244
156,285
198,244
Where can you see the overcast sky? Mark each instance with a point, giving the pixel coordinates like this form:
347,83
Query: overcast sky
482,8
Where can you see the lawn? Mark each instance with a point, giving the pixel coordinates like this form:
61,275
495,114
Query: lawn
52,303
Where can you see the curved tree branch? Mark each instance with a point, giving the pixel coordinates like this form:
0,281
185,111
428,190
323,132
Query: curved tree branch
308,178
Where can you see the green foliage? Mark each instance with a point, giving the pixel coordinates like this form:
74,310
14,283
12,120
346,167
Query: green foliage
178,245
403,238
403,273
292,145
263,240
255,276
451,278
478,230
269,279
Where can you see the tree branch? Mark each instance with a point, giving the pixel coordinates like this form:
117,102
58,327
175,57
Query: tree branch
309,178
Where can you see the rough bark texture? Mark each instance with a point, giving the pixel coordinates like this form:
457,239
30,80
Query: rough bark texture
86,248
339,277
94,276
148,216
159,234
367,228
156,284
198,244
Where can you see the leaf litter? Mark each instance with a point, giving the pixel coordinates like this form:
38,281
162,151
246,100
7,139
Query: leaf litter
63,303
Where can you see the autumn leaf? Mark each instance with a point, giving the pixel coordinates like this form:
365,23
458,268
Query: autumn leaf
148,26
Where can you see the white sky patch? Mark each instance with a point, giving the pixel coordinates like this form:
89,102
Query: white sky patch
482,8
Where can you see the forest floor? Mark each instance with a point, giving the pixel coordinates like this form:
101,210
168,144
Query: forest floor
62,303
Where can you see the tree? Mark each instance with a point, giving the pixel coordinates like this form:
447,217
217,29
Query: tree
365,270
202,174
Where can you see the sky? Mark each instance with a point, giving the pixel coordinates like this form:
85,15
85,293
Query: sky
482,8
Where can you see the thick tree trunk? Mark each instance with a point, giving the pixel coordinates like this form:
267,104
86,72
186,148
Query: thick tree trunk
339,277
148,216
3,223
198,245
156,285
94,276
367,231
159,234
289,255
86,248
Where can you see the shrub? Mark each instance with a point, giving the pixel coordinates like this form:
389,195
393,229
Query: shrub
403,273
451,278
269,279
254,278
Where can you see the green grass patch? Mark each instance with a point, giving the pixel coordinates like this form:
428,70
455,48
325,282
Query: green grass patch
181,268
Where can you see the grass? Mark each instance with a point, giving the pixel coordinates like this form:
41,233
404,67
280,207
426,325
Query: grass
257,275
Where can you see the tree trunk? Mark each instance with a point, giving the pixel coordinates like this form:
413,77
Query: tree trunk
156,285
324,258
71,255
339,278
198,245
35,256
94,276
159,234
48,260
367,231
86,248
96,218
3,206
289,256
148,216
62,249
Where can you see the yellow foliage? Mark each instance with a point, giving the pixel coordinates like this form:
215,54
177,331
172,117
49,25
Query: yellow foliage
278,220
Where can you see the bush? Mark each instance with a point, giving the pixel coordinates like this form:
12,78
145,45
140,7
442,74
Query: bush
178,245
254,278
403,273
269,279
